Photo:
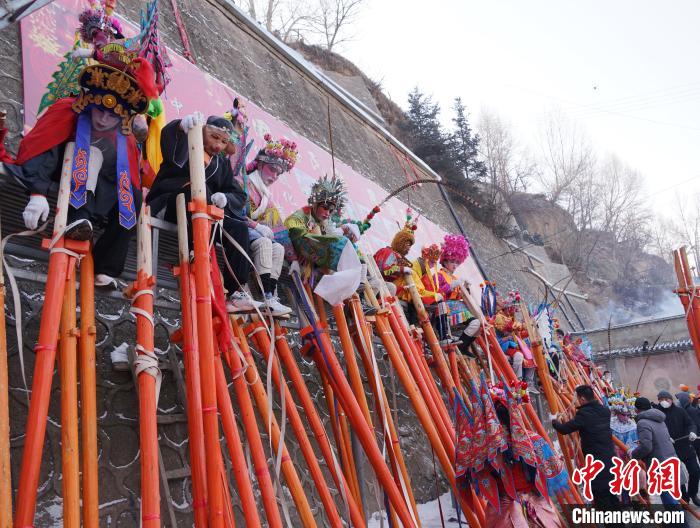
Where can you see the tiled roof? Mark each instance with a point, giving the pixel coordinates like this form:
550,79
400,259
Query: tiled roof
660,348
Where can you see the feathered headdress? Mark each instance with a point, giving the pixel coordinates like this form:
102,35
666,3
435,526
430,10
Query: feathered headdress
455,248
282,153
98,17
330,192
407,232
238,116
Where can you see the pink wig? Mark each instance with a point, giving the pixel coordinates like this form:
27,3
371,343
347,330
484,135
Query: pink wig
455,248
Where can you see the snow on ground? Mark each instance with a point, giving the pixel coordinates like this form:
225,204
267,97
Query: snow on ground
429,514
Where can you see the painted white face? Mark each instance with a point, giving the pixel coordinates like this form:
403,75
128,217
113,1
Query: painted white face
269,173
103,120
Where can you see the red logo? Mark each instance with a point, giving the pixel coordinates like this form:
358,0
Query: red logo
665,476
585,475
625,477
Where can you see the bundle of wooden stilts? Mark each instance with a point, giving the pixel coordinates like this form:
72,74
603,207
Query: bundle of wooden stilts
689,294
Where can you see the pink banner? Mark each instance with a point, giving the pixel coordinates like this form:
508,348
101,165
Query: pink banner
49,33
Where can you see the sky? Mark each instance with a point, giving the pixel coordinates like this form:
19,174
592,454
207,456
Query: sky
627,71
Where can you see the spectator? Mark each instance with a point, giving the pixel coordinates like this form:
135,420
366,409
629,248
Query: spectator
684,399
592,422
684,432
654,441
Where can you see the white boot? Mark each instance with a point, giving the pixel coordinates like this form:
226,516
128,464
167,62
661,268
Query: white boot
105,281
274,307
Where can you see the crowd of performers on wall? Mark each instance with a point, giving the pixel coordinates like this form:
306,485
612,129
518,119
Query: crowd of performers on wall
109,123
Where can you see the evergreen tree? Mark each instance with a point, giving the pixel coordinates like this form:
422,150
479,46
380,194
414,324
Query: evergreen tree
465,145
427,138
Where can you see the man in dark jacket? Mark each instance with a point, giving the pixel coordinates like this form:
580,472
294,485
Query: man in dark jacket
592,422
223,191
694,413
684,433
654,441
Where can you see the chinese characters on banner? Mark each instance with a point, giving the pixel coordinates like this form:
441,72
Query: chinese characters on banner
661,476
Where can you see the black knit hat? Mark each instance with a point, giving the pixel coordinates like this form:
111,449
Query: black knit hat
642,404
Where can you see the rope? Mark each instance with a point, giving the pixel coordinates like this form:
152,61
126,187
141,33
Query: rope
147,362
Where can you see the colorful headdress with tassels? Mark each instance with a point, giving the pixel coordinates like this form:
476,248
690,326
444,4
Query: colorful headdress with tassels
431,253
330,192
282,153
455,248
622,403
98,17
407,232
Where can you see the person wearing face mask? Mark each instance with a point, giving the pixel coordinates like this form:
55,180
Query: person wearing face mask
321,246
223,191
592,422
683,432
265,224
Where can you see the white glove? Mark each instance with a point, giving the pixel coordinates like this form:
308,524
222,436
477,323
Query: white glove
265,231
334,230
219,199
406,271
190,121
82,53
352,232
553,417
294,268
37,210
692,437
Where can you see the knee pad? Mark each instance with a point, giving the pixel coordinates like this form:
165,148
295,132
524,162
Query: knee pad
262,254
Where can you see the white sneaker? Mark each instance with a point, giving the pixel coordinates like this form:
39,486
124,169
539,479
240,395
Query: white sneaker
240,301
274,307
105,281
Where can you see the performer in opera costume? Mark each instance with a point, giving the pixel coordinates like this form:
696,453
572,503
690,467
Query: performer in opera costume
97,130
394,265
511,336
319,244
223,191
513,468
264,220
455,250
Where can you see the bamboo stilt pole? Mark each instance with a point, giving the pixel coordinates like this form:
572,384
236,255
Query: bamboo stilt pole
381,401
201,229
235,449
193,386
45,355
252,432
294,420
5,465
88,394
319,431
287,467
142,306
68,371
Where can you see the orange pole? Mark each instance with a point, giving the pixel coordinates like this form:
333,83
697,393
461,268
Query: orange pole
142,306
434,402
426,383
45,356
5,465
351,361
685,290
287,467
391,438
200,234
319,431
294,420
68,367
252,432
193,385
451,354
235,450
88,394
327,362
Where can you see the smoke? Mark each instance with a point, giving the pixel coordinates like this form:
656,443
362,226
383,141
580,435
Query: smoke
666,304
